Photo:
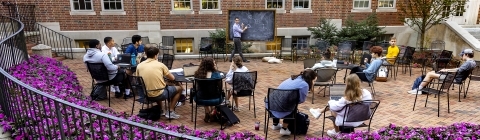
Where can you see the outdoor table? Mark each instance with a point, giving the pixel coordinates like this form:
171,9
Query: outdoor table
346,67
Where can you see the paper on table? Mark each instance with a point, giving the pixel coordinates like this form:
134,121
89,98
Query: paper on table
176,70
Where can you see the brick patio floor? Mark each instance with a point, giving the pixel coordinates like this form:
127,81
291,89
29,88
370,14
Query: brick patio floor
395,107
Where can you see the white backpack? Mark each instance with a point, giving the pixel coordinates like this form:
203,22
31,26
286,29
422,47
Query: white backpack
382,74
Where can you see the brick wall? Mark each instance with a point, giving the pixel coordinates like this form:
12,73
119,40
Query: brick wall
478,18
159,10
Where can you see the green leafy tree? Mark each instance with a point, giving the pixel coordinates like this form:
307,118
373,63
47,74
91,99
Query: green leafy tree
421,15
360,31
325,30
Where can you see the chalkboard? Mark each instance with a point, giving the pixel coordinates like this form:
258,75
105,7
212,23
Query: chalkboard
260,23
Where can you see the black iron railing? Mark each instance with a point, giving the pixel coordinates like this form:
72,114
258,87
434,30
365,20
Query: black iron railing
38,115
36,33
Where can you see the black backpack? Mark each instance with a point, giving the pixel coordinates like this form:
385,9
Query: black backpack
154,113
302,124
225,116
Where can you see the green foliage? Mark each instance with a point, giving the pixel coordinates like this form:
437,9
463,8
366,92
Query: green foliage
421,15
325,30
218,34
361,30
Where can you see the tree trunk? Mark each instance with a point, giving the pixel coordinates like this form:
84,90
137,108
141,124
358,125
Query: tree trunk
422,39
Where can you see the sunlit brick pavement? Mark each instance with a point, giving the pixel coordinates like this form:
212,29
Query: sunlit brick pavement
395,107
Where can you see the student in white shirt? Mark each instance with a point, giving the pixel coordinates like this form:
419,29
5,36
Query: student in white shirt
236,66
353,93
110,47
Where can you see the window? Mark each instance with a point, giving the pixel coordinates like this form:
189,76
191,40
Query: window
112,5
82,43
446,11
182,5
459,8
82,5
361,4
184,45
210,4
301,4
386,3
275,4
300,42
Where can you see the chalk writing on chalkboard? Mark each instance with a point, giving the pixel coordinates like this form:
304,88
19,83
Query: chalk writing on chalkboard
260,24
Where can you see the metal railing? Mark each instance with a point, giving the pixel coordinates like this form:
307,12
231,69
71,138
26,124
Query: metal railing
38,115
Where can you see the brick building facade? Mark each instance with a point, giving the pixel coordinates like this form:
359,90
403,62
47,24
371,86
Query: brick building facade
192,19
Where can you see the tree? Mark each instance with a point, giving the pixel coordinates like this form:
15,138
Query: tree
424,14
325,30
360,31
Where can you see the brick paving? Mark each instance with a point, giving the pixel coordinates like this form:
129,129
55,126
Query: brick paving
395,107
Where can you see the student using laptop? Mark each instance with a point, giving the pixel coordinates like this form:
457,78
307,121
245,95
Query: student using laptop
353,93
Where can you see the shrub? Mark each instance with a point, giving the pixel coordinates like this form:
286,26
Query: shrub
51,77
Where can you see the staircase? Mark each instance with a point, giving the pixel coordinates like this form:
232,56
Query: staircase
475,32
33,38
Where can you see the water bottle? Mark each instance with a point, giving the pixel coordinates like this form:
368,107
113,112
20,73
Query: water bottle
134,59
334,62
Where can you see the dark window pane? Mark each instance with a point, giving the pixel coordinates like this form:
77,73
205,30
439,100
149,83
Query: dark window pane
106,5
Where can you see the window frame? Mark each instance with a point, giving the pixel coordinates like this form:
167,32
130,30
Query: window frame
181,42
361,8
219,5
173,5
309,5
72,7
393,7
110,10
283,5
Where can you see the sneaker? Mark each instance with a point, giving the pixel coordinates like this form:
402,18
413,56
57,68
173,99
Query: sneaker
172,115
236,109
277,127
112,89
179,104
412,91
315,112
285,132
415,92
332,133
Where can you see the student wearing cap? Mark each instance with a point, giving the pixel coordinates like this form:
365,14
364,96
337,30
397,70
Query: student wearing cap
422,81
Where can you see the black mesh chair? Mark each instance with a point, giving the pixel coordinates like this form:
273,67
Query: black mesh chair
363,78
205,47
325,78
309,62
243,83
320,49
474,76
405,60
384,46
99,72
460,81
366,55
168,59
443,89
355,112
281,100
137,84
207,89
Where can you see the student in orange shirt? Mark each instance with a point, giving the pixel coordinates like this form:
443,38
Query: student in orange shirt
392,51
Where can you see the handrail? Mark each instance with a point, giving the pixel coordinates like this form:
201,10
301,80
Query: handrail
31,96
60,43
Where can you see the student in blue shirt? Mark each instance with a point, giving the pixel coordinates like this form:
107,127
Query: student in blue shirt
372,67
136,48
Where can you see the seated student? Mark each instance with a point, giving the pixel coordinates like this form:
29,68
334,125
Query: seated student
136,48
303,82
371,67
236,66
115,74
353,93
153,74
207,70
392,52
109,48
467,56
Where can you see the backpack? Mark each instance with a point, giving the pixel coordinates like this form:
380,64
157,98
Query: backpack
225,116
302,123
382,74
99,92
154,113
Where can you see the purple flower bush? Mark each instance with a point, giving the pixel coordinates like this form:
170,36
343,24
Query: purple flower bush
52,77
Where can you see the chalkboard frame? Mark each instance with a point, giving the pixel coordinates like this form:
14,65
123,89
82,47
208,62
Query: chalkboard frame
228,40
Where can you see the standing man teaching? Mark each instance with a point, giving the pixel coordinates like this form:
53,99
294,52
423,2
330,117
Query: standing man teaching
237,43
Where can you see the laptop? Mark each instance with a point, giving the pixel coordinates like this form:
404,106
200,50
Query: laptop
123,58
189,71
337,91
